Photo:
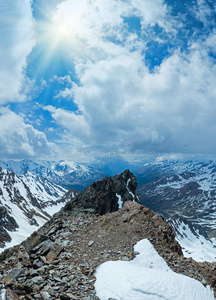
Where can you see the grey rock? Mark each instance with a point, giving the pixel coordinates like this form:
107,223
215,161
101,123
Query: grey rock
34,240
33,273
38,263
57,279
37,279
90,243
9,278
43,247
45,295
125,258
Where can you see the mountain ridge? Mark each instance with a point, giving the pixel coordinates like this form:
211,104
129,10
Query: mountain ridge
68,174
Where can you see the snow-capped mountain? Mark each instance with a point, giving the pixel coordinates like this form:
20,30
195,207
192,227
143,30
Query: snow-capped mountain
184,188
65,173
26,202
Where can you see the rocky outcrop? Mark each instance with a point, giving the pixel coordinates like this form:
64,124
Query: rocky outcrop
104,195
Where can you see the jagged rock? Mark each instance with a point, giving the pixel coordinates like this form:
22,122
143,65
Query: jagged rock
9,278
37,263
34,240
102,195
125,186
10,295
45,295
8,253
90,243
43,248
56,249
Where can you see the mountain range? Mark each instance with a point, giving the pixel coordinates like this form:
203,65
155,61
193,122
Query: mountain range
184,189
103,244
183,192
67,174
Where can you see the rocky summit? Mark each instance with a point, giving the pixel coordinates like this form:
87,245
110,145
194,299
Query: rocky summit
59,260
106,195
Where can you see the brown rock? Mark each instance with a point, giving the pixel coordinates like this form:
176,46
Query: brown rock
56,249
9,278
10,295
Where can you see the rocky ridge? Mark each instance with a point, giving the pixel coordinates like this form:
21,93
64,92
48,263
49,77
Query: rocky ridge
59,260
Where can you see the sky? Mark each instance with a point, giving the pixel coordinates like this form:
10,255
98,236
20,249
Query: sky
90,80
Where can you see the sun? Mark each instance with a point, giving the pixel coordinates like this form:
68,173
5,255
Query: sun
59,31
62,29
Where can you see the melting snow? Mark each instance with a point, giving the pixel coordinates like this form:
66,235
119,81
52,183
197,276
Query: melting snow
128,188
146,277
120,202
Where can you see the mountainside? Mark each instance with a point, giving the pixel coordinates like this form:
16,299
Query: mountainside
193,239
26,202
65,173
60,259
186,189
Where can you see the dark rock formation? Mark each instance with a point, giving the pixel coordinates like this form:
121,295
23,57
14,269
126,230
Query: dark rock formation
102,196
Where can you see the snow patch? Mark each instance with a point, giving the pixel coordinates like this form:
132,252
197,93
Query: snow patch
146,277
120,202
129,189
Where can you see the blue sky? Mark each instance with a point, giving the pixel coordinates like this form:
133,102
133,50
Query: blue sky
113,79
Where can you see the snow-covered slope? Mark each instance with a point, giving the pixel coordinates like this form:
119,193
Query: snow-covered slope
65,173
193,240
26,202
187,189
47,193
146,277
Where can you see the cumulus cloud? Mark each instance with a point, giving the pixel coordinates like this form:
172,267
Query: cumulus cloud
20,140
16,37
119,99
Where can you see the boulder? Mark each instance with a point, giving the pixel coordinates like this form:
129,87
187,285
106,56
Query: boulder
10,277
34,240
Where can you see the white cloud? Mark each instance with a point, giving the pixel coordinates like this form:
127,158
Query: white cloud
151,12
16,37
204,12
76,124
119,99
20,140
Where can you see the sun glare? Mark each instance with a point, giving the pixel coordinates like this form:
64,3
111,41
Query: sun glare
62,34
62,30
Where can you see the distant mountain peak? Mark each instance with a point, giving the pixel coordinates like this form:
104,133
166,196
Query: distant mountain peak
68,174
